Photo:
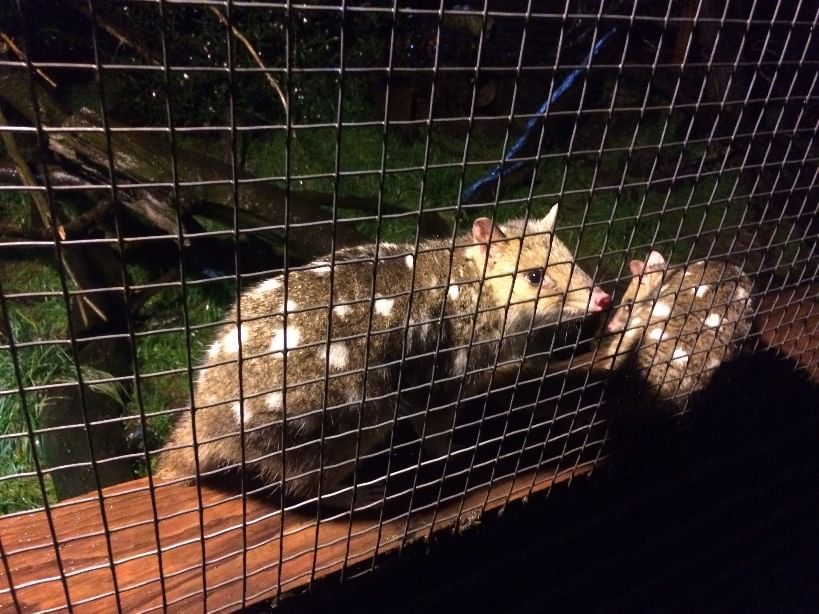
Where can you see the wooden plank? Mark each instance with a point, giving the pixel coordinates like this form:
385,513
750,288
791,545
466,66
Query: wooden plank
218,584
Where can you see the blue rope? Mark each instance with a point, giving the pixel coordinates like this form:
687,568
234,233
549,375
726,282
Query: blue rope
502,168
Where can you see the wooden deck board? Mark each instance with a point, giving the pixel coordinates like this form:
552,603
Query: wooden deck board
35,573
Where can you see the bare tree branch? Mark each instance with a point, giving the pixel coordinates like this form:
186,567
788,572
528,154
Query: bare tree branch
119,31
256,58
28,178
41,205
76,225
19,53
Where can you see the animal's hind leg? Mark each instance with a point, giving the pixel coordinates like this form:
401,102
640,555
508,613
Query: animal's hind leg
436,428
339,464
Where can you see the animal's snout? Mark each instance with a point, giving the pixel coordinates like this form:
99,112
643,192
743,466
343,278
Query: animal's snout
618,320
600,300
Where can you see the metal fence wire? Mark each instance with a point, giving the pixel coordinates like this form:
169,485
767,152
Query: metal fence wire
284,287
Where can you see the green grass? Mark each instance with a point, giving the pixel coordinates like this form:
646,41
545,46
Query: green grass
668,218
159,352
31,320
40,364
39,327
43,319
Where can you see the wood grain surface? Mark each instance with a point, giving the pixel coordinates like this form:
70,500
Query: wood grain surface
307,551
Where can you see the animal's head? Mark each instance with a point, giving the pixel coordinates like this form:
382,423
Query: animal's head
529,268
648,276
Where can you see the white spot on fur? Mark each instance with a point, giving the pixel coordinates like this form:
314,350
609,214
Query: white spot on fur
293,338
409,261
633,332
383,306
320,270
274,400
702,290
388,245
679,354
741,293
459,364
338,355
291,305
636,321
214,350
341,310
661,310
656,334
230,341
453,292
270,285
237,413
713,320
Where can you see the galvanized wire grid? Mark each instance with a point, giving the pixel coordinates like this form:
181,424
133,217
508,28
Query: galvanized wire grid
688,130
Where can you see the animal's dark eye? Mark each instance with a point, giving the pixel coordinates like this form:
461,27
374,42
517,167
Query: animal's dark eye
534,277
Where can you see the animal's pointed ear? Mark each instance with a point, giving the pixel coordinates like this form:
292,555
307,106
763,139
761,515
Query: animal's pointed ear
548,222
483,230
655,261
636,267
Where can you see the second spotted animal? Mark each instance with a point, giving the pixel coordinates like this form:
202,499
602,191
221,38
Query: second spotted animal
678,324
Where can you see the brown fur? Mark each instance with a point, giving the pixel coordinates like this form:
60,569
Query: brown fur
675,326
331,390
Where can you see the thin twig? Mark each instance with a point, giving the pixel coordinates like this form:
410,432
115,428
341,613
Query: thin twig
157,285
76,225
28,178
19,53
273,83
82,298
120,32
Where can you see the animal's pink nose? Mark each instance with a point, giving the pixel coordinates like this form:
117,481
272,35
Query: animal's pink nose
600,300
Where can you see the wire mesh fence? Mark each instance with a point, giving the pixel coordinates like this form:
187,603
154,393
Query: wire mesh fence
284,286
